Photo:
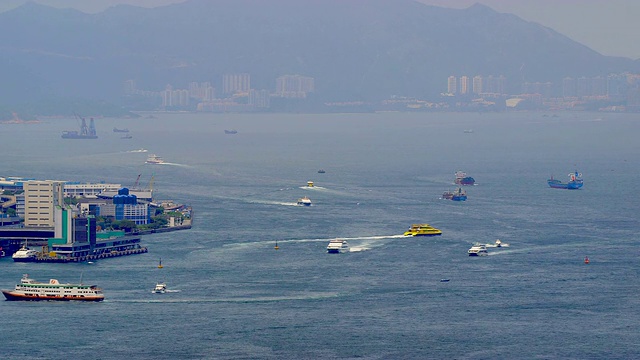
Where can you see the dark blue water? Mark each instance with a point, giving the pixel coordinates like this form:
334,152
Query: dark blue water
234,297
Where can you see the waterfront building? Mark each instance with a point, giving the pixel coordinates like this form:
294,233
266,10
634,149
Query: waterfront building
477,84
465,84
452,85
259,98
41,197
125,207
233,83
76,238
294,86
76,189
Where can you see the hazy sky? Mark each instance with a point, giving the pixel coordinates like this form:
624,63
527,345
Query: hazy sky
607,26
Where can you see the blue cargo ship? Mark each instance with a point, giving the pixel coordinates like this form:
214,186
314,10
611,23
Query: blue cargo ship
575,182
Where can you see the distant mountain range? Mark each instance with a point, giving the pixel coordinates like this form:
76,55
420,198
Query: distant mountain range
355,50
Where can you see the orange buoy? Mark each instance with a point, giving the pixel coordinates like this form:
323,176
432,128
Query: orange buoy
586,259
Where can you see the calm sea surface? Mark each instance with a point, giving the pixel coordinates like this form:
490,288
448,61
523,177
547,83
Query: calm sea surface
234,297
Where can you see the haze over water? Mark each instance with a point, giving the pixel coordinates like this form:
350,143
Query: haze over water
234,296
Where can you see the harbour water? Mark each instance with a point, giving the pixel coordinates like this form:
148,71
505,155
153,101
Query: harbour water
232,296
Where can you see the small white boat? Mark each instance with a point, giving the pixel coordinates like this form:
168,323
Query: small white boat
139,150
478,250
305,201
497,244
337,246
160,288
154,159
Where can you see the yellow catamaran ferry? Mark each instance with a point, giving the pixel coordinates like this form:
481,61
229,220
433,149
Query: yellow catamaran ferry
422,230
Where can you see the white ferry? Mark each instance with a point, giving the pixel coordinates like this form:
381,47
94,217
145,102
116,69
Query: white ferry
160,288
478,250
305,201
337,246
31,290
154,159
24,254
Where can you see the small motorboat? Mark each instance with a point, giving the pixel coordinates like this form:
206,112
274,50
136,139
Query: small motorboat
497,244
321,171
160,288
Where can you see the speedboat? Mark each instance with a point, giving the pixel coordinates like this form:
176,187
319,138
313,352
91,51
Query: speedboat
24,254
478,250
305,201
160,288
337,246
498,244
309,183
154,159
422,230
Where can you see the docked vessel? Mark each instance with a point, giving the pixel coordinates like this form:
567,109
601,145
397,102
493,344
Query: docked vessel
86,132
31,290
24,254
422,230
337,246
457,195
478,250
463,179
116,130
154,159
575,182
304,201
160,288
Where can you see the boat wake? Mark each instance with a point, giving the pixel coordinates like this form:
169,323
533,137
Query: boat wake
369,241
306,296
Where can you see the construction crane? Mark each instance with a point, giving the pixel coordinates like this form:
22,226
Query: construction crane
151,182
135,186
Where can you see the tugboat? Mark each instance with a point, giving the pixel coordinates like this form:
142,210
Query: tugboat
463,179
422,230
31,290
304,201
575,182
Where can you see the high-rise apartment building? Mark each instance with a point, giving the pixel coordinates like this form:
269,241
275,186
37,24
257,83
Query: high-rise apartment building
465,84
477,84
40,199
452,85
233,83
294,86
